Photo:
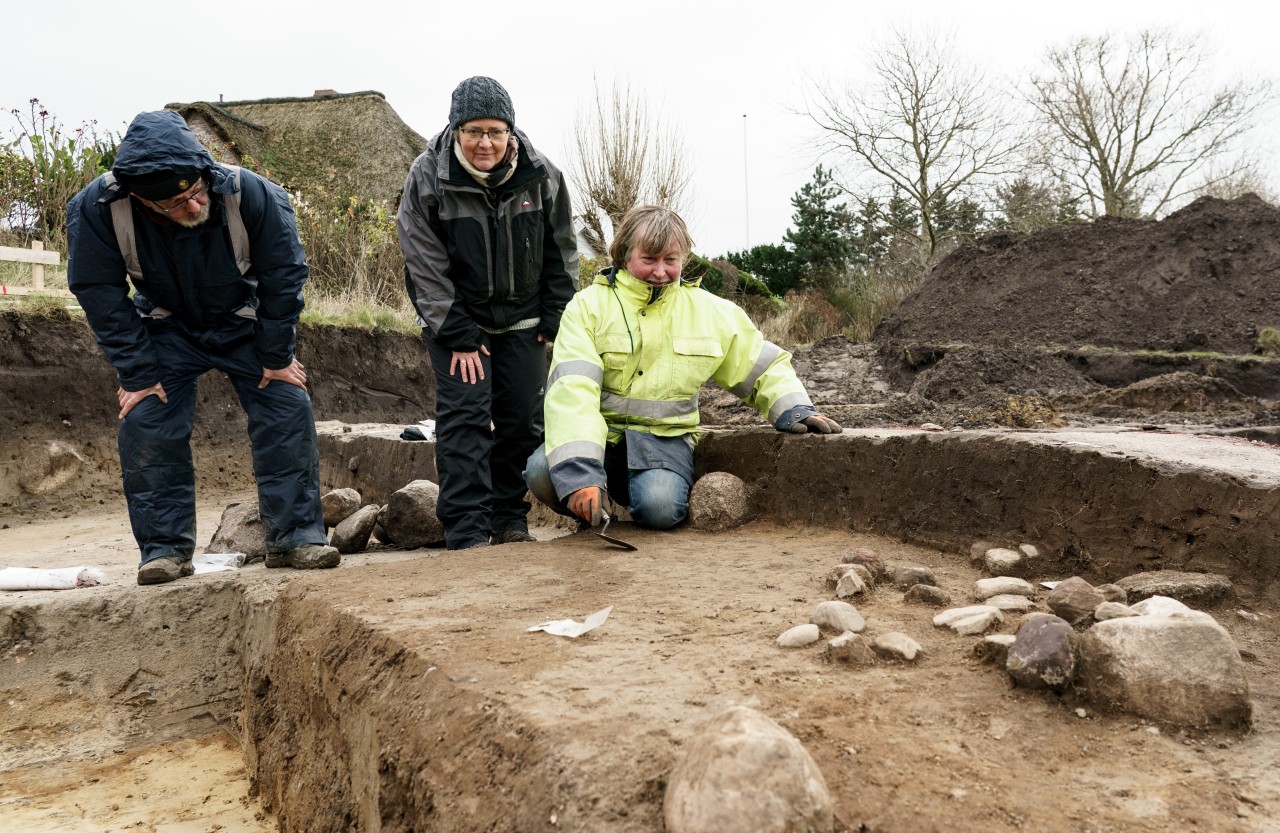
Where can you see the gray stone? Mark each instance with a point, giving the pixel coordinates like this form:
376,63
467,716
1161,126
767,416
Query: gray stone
1113,593
1074,599
1179,668
1113,610
339,505
969,621
240,530
928,594
907,575
869,559
1001,561
849,649
850,584
1029,551
1041,655
994,648
837,572
46,467
864,573
1010,603
410,517
985,588
1196,589
838,617
352,535
896,645
978,552
1159,606
718,501
745,772
799,636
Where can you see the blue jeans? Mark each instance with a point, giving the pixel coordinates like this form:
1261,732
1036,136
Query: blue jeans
656,498
155,451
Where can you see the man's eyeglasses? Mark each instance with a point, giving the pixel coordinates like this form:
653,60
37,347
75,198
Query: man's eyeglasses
181,200
498,135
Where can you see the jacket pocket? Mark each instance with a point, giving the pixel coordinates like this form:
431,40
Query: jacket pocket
615,351
695,360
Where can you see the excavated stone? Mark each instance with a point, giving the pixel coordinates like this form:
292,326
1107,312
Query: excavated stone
1196,589
799,636
838,617
339,505
994,648
896,645
850,584
240,530
352,535
985,588
869,559
1010,603
1113,593
849,649
1002,561
928,594
1074,599
1178,668
718,501
745,772
410,517
1113,610
1041,655
907,575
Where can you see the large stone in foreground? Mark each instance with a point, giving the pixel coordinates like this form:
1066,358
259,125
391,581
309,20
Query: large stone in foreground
240,530
410,516
1181,669
745,772
718,501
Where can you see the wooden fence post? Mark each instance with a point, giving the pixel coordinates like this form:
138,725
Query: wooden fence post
37,269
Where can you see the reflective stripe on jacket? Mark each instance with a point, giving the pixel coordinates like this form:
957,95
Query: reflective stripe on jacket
631,357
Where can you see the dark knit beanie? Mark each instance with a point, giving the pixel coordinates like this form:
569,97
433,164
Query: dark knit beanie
160,185
480,98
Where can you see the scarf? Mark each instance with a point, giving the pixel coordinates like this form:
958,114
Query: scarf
500,173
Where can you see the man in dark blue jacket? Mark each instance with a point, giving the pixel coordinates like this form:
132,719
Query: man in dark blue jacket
217,268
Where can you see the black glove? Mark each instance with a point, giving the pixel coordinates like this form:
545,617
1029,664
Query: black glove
816,424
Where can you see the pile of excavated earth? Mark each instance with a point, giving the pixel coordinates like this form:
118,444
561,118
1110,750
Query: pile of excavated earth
1033,585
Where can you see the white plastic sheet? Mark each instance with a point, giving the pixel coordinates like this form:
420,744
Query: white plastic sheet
213,562
568,627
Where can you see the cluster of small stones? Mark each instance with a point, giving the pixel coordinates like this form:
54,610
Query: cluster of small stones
408,521
1136,646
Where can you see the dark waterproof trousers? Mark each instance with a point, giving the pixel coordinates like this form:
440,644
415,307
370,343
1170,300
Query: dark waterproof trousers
481,486
155,450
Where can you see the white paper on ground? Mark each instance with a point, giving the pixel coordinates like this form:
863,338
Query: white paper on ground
568,627
56,578
213,562
428,428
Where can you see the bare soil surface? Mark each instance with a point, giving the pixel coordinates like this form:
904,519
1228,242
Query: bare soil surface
402,691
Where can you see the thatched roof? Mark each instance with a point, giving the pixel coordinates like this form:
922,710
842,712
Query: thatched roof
334,145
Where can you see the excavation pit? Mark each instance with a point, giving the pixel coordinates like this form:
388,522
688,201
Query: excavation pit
404,692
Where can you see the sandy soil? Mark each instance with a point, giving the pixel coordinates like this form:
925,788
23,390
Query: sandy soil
942,744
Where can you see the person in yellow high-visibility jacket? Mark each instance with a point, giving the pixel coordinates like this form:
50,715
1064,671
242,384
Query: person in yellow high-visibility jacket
621,409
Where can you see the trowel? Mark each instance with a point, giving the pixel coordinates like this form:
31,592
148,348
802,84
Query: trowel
604,528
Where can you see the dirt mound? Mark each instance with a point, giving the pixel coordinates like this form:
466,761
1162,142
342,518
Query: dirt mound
1201,279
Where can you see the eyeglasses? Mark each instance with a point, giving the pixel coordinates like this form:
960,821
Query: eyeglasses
498,135
180,201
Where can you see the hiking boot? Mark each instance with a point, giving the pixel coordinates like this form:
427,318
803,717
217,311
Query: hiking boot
515,535
306,557
164,569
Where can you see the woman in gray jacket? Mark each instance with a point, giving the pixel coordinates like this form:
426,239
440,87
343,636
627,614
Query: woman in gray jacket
486,227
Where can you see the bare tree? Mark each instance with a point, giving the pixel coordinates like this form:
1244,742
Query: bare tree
926,128
1131,128
626,157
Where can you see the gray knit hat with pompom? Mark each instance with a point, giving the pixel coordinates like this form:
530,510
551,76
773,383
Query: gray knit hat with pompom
480,98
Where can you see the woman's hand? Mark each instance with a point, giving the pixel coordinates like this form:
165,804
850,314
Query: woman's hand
468,365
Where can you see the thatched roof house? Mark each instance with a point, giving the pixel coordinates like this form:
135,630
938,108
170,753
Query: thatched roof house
335,145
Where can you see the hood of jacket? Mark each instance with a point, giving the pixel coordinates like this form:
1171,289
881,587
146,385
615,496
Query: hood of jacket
641,292
159,141
529,163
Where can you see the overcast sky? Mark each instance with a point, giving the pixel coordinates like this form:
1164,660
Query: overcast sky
704,65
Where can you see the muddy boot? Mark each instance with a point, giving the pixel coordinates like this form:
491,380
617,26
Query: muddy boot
164,569
514,535
306,557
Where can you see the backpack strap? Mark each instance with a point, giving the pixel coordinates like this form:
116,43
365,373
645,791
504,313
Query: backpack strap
122,221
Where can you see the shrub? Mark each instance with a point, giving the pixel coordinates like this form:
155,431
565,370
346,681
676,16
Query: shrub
1268,343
